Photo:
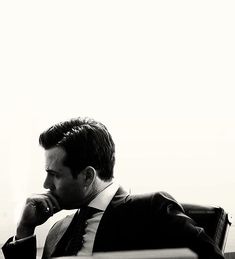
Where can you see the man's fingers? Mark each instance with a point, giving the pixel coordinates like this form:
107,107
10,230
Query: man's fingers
50,208
45,204
42,205
56,205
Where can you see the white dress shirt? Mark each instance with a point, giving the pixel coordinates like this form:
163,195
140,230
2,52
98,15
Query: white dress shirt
101,202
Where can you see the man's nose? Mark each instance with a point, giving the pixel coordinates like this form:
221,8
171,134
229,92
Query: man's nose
48,184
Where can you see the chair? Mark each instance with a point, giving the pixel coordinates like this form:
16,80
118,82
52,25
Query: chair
214,220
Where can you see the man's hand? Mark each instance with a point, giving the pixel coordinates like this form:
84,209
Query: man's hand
37,210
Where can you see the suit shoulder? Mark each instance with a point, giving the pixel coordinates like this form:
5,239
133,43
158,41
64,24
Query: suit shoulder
153,196
161,200
164,196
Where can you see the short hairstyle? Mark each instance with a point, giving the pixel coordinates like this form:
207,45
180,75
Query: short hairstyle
87,143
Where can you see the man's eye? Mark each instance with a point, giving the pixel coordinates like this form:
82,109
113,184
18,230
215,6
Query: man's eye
51,174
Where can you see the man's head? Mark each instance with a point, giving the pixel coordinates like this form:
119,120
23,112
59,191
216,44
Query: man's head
86,143
80,156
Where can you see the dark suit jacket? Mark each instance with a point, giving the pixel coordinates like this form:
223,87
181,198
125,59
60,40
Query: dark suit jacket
130,222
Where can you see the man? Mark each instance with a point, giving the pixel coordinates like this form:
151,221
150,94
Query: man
80,156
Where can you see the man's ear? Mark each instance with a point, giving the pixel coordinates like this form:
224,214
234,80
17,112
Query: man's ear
89,174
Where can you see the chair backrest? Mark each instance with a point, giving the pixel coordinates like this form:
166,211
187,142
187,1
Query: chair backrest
214,220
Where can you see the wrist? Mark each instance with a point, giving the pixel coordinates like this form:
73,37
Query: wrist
24,231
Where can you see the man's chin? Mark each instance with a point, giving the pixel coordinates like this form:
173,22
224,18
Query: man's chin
64,205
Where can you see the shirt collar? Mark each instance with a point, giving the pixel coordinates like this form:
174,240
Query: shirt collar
102,200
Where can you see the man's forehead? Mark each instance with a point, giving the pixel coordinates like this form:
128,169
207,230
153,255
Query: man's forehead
54,155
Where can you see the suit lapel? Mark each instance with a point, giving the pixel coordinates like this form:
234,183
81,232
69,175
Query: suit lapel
55,235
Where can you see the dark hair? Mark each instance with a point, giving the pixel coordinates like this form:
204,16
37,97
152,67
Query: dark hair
86,142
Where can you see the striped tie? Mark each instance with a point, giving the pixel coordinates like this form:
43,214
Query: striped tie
76,241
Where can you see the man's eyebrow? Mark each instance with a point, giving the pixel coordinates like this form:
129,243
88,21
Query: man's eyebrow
51,171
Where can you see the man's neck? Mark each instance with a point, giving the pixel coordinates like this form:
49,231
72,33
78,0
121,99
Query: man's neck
97,187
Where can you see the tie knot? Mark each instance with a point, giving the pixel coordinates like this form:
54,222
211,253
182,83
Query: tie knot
87,211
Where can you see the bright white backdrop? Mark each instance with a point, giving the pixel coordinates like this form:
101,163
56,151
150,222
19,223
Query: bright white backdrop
159,74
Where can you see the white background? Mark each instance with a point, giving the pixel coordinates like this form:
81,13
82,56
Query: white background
158,74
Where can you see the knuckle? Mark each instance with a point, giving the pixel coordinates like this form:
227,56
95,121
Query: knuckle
28,200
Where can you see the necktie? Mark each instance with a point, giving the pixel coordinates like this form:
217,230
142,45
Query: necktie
76,241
